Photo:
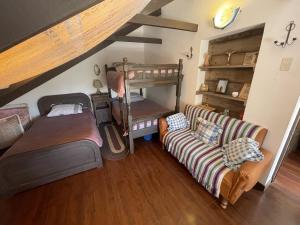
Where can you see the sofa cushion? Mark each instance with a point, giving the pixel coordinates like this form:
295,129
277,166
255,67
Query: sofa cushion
192,113
203,161
232,128
208,132
177,121
11,130
241,150
21,110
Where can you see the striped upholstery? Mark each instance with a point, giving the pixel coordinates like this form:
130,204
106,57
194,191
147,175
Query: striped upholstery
192,113
232,128
203,161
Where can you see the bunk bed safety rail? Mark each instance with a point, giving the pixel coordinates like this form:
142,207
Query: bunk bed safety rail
150,71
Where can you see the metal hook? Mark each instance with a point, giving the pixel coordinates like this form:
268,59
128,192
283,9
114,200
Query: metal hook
287,41
190,55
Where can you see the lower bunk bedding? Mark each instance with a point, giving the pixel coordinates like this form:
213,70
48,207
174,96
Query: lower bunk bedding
145,114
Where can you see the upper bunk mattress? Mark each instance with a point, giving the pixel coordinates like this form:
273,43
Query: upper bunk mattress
51,131
139,109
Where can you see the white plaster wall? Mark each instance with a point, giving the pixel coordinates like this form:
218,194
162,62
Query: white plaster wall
273,94
80,77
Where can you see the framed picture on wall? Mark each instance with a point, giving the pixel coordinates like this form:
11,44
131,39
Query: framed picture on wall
222,86
245,91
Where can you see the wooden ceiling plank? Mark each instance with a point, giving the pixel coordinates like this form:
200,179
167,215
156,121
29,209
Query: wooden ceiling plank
147,20
34,17
66,40
136,39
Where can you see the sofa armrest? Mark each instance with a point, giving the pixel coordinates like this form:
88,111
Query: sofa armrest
248,175
163,128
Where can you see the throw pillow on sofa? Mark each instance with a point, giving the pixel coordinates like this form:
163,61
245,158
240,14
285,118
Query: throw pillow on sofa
241,150
11,129
208,132
177,121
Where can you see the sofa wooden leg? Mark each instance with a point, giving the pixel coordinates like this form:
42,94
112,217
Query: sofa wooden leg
224,203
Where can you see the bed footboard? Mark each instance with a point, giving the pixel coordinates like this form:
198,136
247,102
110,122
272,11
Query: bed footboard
28,170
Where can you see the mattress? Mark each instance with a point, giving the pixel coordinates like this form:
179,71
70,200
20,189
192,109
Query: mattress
140,109
47,132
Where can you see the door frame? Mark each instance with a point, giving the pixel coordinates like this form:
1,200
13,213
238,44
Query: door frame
287,143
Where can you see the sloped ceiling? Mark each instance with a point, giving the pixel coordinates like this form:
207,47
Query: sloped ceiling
22,19
65,40
31,12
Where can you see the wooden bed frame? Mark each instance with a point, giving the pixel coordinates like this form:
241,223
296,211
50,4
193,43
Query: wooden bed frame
145,76
27,170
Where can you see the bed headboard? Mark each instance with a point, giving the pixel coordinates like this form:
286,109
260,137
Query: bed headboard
45,103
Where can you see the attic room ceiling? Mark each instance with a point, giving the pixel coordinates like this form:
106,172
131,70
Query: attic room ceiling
70,36
35,16
65,40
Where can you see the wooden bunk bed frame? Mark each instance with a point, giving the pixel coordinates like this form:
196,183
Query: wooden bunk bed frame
145,76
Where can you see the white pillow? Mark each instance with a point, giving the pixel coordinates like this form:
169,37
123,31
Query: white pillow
11,130
65,109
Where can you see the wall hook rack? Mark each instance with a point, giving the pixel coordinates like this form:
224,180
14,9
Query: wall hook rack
190,54
287,41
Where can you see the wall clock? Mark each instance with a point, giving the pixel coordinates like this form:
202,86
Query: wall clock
225,16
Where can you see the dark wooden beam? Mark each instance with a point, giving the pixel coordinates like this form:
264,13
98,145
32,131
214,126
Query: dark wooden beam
155,5
8,95
258,30
136,39
21,20
142,19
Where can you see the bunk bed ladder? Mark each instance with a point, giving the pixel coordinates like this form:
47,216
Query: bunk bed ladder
121,102
178,85
128,106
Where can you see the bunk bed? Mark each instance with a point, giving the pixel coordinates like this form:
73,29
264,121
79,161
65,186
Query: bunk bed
140,118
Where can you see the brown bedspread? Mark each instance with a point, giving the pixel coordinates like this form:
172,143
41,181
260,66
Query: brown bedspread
46,132
140,109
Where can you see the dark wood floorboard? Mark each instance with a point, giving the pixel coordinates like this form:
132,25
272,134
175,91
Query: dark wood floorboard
149,187
288,177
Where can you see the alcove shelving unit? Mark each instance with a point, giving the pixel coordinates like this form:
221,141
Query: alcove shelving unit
235,72
207,68
224,96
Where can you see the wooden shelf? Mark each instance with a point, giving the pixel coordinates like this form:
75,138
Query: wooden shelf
206,68
213,94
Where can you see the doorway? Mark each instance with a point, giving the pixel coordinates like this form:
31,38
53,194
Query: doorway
287,173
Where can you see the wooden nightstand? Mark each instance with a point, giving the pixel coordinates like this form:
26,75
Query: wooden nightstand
102,107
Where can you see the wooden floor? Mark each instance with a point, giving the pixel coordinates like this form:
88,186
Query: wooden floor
288,177
149,188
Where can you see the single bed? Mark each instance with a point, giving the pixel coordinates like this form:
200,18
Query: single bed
53,148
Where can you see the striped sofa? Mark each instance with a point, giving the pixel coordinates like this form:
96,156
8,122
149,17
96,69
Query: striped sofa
205,162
